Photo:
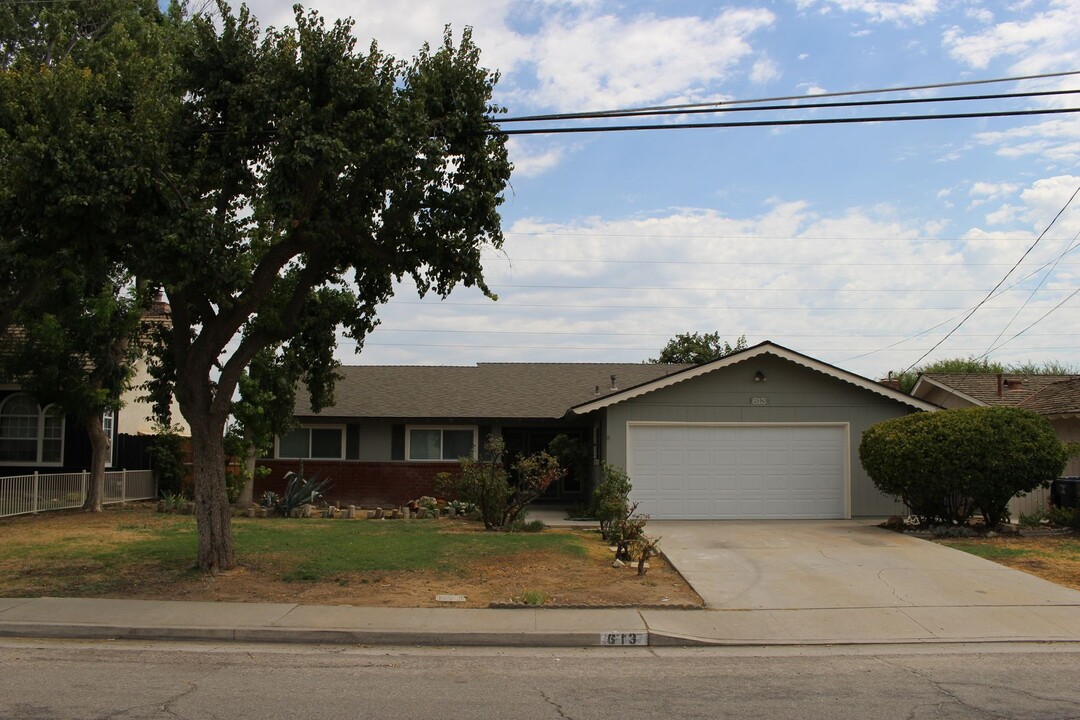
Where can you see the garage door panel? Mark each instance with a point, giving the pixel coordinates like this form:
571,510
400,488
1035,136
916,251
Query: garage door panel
724,472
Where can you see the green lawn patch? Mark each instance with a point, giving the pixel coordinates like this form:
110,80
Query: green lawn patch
992,552
78,554
317,549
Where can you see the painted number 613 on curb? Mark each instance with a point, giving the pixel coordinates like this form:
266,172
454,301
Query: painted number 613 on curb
621,638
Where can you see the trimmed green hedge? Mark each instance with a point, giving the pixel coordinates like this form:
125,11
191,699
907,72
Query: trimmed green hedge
944,465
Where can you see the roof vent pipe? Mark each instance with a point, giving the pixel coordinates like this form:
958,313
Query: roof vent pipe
613,386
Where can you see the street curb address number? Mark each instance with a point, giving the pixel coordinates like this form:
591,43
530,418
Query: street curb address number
622,638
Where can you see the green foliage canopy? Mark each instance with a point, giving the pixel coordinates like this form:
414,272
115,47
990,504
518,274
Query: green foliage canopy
945,464
697,348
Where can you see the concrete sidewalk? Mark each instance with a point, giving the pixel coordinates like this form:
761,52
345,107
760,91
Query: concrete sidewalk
255,622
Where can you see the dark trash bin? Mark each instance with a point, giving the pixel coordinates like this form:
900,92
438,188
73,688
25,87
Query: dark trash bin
1065,492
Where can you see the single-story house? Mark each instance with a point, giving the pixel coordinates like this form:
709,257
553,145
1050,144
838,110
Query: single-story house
1055,397
765,432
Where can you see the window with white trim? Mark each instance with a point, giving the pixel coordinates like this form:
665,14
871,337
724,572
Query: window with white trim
440,443
314,442
30,434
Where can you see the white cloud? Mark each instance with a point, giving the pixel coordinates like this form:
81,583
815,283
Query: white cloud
898,12
1050,40
1056,140
980,14
804,56
605,61
532,159
984,192
1004,215
764,70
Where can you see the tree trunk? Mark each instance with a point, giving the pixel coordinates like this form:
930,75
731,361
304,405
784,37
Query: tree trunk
247,495
217,551
99,453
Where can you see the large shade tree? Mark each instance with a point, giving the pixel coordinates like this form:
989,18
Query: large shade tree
83,95
305,177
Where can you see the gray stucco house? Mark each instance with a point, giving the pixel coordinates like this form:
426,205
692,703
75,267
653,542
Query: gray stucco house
766,432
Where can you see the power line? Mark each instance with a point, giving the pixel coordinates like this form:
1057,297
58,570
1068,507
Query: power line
544,306
1000,282
1043,317
590,333
713,288
1072,245
840,93
788,238
627,347
725,108
954,317
765,263
784,123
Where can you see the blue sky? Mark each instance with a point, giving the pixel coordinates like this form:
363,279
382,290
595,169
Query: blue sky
835,241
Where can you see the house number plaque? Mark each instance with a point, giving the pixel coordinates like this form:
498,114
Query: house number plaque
759,401
624,638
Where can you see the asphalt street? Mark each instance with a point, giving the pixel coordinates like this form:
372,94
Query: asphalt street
54,679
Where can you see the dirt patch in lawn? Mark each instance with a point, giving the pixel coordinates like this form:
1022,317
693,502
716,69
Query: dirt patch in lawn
1055,558
136,553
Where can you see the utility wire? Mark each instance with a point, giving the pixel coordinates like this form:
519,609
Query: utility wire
1071,246
946,321
999,284
783,123
799,106
1043,317
840,93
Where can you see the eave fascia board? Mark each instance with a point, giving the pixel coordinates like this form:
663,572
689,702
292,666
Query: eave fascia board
765,348
946,388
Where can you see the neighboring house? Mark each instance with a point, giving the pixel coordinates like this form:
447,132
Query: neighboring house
1055,397
763,433
36,438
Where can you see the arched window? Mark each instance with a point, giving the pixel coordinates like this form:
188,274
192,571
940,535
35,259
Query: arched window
29,434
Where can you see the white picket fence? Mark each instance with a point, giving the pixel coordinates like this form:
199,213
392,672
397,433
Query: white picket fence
23,494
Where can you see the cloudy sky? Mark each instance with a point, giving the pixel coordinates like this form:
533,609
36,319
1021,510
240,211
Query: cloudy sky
862,245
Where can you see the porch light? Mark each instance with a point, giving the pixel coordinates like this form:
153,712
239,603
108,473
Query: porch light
759,376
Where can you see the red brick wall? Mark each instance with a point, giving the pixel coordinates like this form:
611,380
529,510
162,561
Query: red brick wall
368,484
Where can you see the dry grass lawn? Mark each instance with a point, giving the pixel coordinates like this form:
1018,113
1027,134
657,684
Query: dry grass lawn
1052,557
133,552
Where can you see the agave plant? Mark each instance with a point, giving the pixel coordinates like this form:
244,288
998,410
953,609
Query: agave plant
301,491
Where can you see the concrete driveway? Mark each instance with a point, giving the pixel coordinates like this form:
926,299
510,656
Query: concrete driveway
812,564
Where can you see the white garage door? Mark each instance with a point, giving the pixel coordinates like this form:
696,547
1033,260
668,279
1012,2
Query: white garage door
703,472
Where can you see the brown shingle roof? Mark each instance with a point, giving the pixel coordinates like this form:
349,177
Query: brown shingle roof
1060,398
1016,389
487,390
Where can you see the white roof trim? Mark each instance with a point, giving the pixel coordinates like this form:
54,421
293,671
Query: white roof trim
738,357
947,388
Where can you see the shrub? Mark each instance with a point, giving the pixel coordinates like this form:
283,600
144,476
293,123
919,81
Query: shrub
611,501
499,495
533,526
1034,518
943,465
301,491
1065,517
167,460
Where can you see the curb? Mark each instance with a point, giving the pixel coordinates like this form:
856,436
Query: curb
338,636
